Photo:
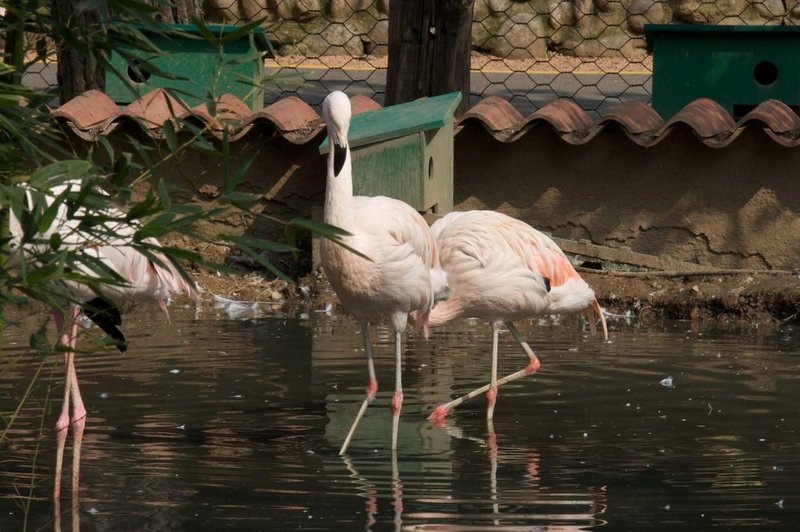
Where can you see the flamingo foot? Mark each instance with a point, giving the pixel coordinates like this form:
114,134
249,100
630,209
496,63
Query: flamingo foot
438,415
372,389
533,366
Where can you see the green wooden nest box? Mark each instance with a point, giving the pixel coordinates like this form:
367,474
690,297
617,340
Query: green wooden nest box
736,66
405,151
198,67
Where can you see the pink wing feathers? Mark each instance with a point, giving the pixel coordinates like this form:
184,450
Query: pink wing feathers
494,263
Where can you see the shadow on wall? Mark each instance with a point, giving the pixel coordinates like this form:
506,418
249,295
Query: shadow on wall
735,207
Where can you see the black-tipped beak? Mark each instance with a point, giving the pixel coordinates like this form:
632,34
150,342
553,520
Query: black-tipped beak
339,154
546,283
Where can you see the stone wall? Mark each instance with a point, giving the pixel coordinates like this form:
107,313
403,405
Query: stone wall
513,29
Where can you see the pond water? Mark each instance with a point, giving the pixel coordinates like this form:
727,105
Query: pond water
216,422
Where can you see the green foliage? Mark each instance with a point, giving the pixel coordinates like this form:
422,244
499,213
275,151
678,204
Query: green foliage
36,159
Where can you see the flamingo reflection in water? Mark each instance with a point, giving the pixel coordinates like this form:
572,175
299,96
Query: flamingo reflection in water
507,491
121,271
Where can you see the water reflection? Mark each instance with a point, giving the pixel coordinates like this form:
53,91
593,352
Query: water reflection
215,423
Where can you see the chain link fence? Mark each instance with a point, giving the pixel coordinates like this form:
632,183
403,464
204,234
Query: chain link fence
529,52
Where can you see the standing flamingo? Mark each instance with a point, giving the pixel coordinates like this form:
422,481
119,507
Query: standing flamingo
502,269
402,272
129,275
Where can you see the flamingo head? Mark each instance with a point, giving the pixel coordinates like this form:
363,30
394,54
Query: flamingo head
337,112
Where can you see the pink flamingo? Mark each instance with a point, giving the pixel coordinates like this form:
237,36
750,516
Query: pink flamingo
502,269
402,272
138,277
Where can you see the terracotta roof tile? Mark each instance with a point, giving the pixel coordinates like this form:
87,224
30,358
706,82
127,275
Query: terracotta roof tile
296,121
708,119
778,121
361,103
495,113
153,109
88,114
93,113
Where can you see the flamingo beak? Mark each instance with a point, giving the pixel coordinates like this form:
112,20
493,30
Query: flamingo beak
339,155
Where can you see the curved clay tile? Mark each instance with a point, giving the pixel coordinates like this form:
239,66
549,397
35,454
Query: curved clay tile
231,112
775,115
708,119
296,120
361,103
88,110
496,115
153,109
229,109
635,116
89,114
93,113
564,115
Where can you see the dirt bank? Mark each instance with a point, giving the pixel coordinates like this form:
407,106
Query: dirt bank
742,298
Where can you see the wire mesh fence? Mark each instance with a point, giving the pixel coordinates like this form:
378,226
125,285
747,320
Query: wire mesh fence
529,52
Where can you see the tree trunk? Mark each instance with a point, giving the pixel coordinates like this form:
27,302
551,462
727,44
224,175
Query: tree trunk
79,68
429,49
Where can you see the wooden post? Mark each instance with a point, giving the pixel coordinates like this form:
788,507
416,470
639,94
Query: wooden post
429,49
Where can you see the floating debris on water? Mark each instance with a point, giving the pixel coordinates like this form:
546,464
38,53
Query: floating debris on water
667,381
236,309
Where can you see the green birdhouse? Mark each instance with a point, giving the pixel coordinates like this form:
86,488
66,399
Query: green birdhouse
405,151
736,66
190,65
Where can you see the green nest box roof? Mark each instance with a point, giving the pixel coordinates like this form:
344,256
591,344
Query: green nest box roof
189,64
405,151
400,120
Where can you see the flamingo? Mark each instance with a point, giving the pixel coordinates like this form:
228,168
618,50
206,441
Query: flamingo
502,269
399,271
132,275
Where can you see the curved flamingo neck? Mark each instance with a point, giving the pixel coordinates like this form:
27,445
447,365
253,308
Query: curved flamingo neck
339,193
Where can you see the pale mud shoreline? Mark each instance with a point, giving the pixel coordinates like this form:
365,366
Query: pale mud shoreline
753,299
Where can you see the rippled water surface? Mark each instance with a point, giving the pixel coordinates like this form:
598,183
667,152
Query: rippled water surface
213,423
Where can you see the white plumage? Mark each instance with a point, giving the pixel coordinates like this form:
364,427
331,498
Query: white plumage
502,269
110,249
402,274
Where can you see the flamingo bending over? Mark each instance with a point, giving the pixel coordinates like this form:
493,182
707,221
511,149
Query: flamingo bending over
402,274
139,278
502,269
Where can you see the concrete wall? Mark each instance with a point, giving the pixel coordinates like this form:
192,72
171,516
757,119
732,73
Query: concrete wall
737,206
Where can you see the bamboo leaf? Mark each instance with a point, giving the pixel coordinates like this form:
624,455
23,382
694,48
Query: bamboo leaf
60,170
170,136
164,195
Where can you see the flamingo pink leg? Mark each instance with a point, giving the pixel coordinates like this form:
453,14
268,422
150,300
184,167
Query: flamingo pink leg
439,413
491,395
69,339
397,398
372,389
